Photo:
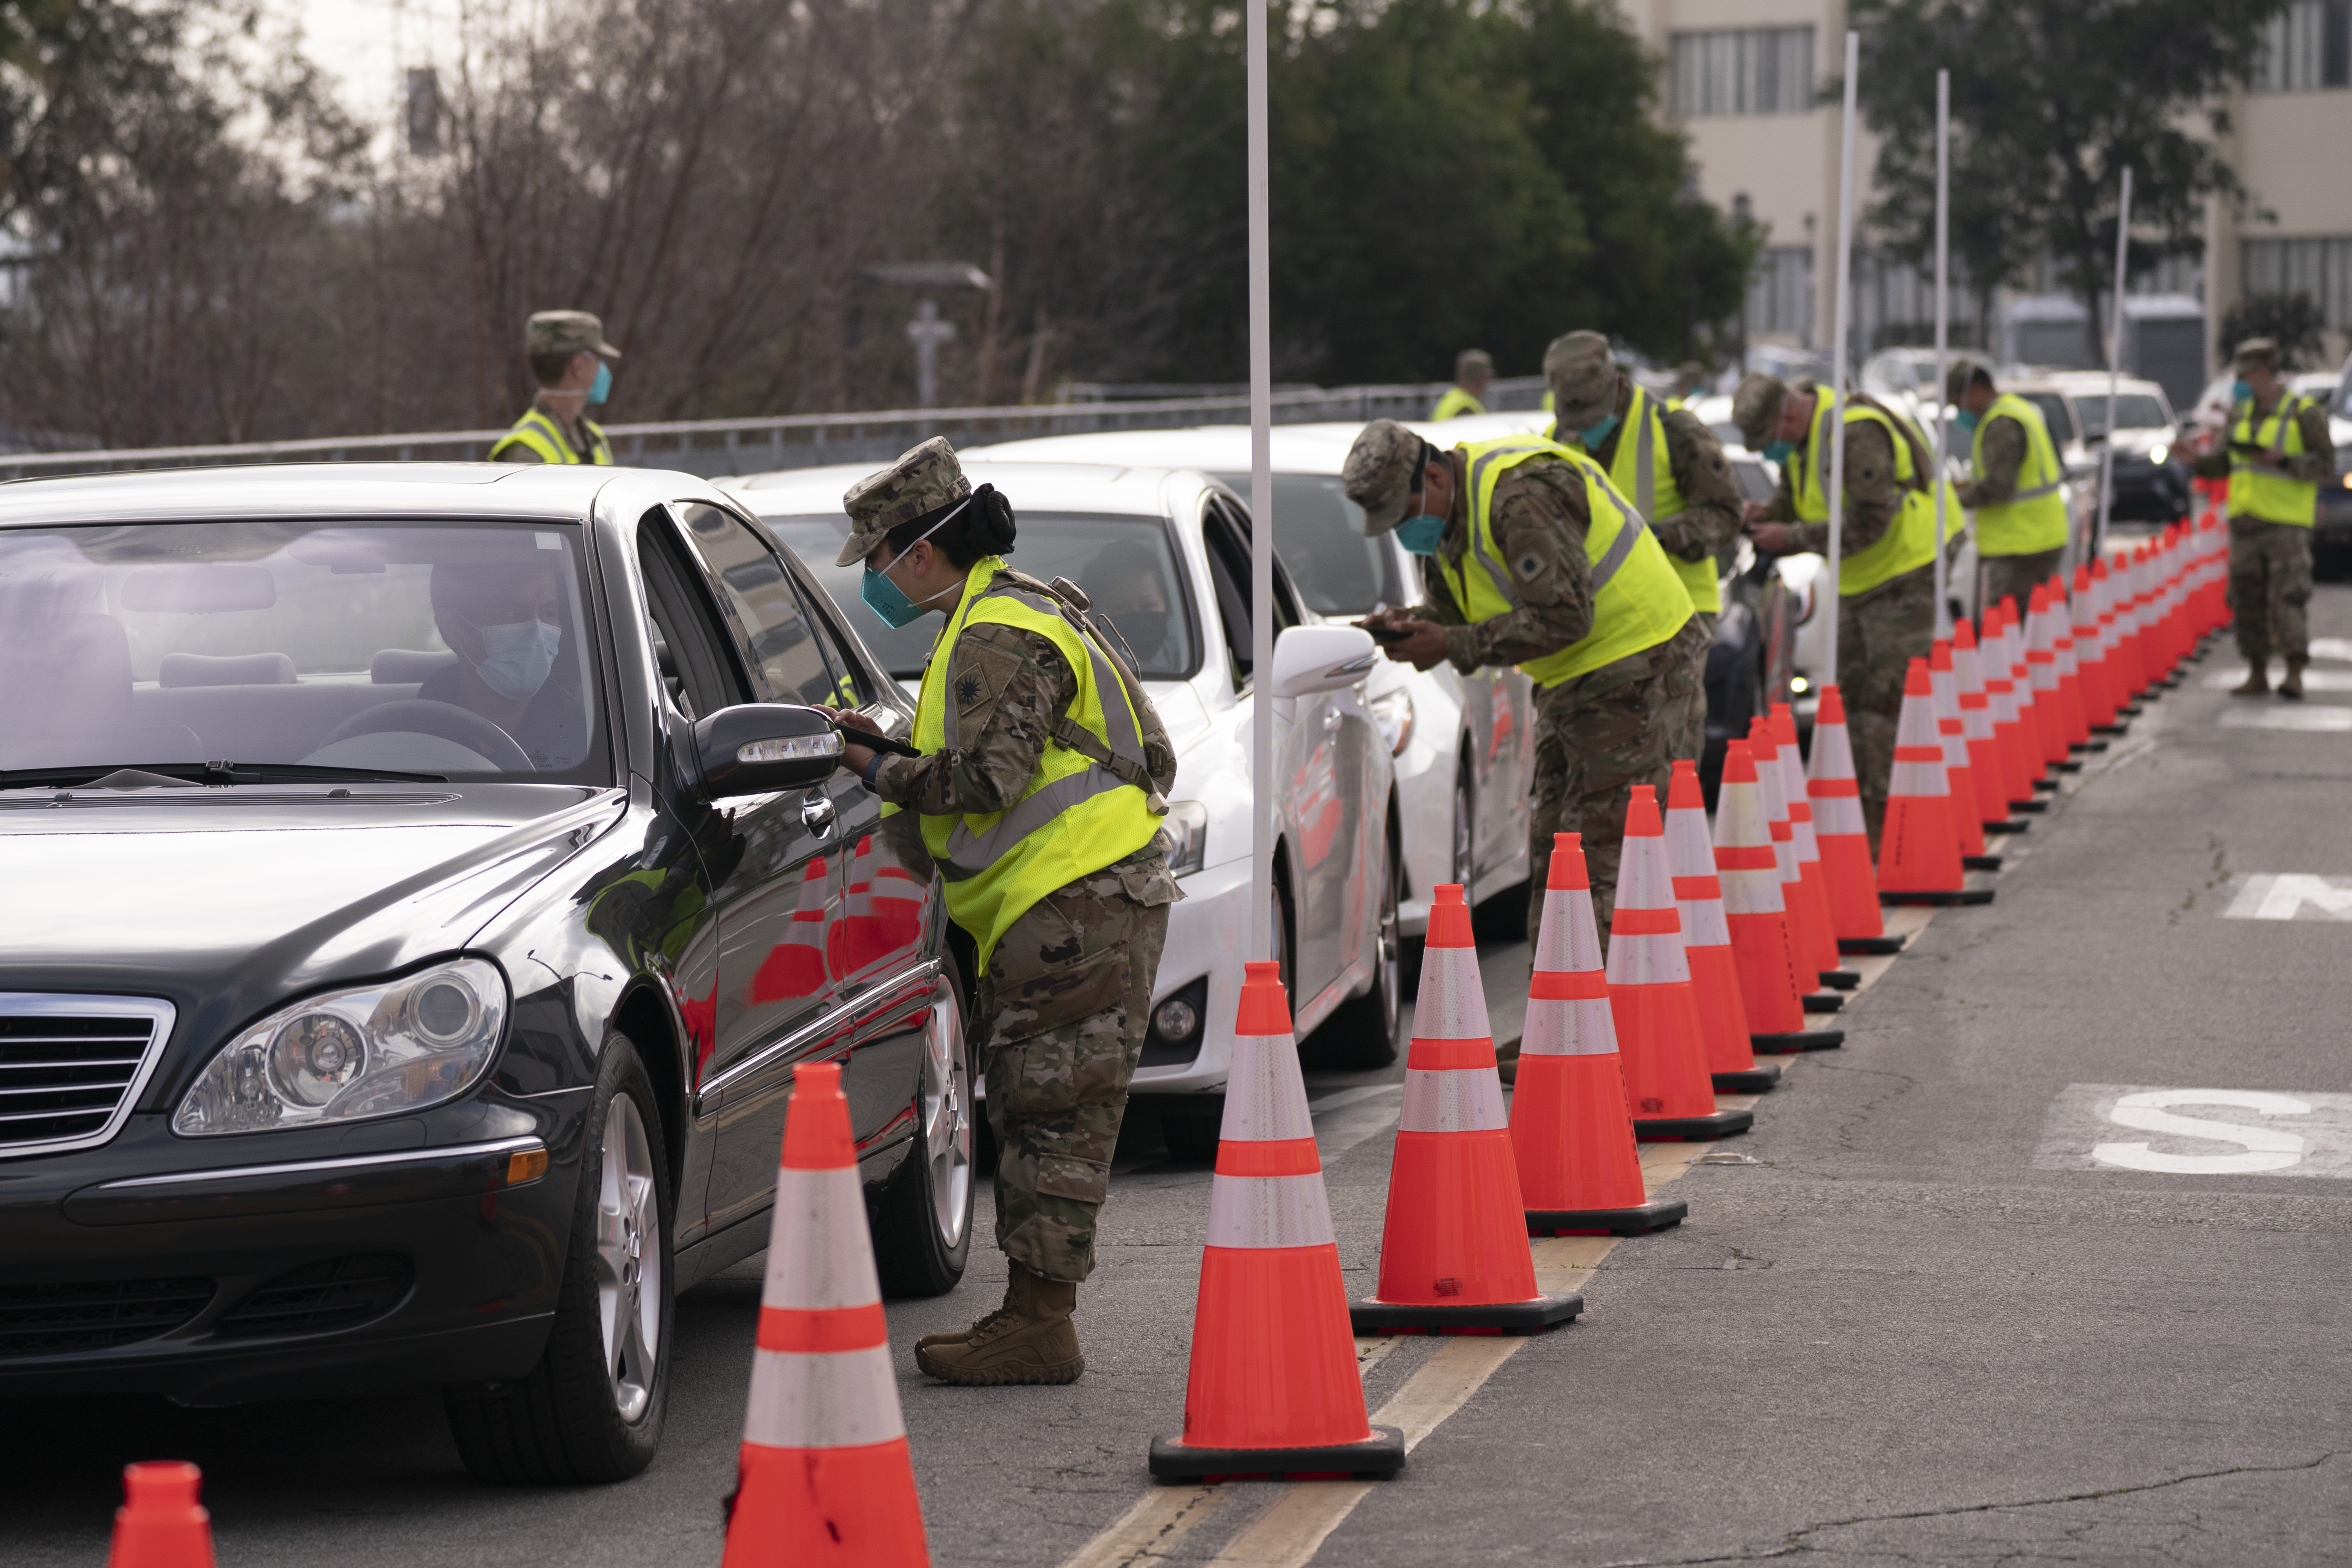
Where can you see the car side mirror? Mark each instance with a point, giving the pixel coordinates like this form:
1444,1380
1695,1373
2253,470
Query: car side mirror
1307,659
759,747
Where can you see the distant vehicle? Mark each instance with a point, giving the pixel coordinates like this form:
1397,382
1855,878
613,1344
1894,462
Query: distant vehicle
1165,555
2151,475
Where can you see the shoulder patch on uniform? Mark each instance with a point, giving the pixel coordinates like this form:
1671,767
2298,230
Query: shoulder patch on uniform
982,670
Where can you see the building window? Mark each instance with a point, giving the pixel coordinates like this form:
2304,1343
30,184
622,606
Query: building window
1780,294
1746,70
2319,269
2306,47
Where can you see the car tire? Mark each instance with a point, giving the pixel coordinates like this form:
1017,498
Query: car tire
922,1234
1361,1033
591,1410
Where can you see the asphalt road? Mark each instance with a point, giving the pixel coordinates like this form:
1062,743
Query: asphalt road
1913,1318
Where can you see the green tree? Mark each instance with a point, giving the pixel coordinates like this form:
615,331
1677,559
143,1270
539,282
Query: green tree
2291,320
2050,98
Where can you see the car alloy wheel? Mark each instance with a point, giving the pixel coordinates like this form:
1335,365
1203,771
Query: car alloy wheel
922,1228
946,1114
1461,828
628,1259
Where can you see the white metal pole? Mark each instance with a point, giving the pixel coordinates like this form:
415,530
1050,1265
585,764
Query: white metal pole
2098,530
1835,432
1261,373
1943,325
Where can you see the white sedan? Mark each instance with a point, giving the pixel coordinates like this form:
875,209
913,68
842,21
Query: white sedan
1164,556
1462,745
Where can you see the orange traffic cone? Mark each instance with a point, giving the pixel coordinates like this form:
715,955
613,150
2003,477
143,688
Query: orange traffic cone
1580,1173
797,967
1967,828
1919,853
1273,1388
2073,718
1454,1252
1747,868
1814,885
824,1474
1650,994
1842,835
1804,941
2042,666
2020,735
2090,655
1706,941
1976,729
160,1524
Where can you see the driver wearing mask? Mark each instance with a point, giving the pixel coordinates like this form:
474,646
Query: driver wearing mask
504,620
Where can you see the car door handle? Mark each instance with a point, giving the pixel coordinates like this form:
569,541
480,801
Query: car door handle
816,814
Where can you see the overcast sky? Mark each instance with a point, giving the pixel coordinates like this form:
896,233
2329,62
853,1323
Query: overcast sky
367,43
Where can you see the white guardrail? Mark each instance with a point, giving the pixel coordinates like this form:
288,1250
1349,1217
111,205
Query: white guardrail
715,448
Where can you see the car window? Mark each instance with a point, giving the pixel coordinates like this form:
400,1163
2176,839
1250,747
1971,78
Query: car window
772,631
462,650
1128,564
1226,534
697,670
1319,535
2141,412
2053,414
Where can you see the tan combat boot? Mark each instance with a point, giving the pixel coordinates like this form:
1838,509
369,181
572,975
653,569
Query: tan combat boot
1030,1339
2258,682
2292,687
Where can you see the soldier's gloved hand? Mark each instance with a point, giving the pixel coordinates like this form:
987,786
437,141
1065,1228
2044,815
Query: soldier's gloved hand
1423,647
1773,538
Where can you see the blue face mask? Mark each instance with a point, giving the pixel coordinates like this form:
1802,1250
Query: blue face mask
1594,435
2240,392
517,657
1966,420
889,601
602,387
1777,452
1420,534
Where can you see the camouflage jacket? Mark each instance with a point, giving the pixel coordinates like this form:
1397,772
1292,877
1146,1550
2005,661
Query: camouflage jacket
1540,518
2315,464
2003,453
1708,523
1871,491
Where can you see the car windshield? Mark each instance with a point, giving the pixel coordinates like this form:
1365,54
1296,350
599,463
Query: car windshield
2141,412
1128,564
454,652
1319,535
2053,414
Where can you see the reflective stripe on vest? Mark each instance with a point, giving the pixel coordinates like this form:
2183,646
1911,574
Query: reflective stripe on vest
2266,494
537,432
1643,469
1637,600
1077,815
1909,541
2034,518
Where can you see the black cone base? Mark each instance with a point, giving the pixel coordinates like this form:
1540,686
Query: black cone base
1823,1001
2069,766
1796,1040
1696,1129
1841,979
2006,825
1658,1213
2036,807
1981,862
2090,746
1373,1315
2046,782
2109,728
1940,898
1759,1079
1871,944
1377,1457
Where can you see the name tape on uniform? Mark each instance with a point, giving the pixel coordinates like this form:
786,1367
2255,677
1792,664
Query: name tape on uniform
2198,1132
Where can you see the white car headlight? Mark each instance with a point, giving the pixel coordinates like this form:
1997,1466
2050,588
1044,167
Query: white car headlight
1393,716
372,1050
2158,453
1187,826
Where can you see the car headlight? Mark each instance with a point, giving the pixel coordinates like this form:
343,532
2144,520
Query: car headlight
344,1056
2158,453
1393,716
1187,826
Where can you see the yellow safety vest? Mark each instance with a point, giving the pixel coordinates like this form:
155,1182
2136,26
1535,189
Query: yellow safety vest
1637,600
2265,493
2035,519
1641,469
1090,802
538,431
1456,402
1909,541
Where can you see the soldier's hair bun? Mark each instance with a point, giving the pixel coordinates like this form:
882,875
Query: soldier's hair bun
991,519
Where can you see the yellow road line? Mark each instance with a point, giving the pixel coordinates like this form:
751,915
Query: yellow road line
1148,1531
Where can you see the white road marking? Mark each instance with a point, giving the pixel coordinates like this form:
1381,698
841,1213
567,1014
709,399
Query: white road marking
2313,680
2332,648
2291,897
2248,1132
2309,720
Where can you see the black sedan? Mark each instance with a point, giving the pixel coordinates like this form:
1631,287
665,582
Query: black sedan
422,883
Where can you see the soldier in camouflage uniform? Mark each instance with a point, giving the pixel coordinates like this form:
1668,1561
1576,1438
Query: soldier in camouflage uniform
1880,629
1593,394
2275,435
1969,386
1596,734
1064,1000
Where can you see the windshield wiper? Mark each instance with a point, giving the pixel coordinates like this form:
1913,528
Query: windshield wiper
209,773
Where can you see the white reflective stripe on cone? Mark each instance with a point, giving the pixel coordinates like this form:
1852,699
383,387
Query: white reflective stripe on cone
1460,1099
1646,960
840,1399
1688,853
1570,938
1268,1211
1944,689
1833,752
1585,1028
1839,816
1703,923
1741,819
1916,779
1644,881
1808,848
1453,1003
1751,893
1266,1099
818,1253
1976,723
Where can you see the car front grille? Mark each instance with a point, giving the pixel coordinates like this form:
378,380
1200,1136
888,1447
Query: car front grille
319,1297
58,1320
70,1066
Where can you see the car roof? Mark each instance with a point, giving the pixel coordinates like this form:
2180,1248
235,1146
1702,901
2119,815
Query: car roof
1114,487
1211,449
2074,383
521,490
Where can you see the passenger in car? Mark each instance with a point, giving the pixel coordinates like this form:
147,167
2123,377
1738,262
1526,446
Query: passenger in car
504,620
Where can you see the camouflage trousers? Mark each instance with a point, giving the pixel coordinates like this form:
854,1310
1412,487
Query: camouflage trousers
2013,577
1692,741
1597,736
1062,1015
2270,584
1879,634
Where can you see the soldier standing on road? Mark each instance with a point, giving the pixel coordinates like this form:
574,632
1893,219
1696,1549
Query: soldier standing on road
1472,371
1669,465
573,365
2020,515
2279,453
1064,894
1534,559
1886,574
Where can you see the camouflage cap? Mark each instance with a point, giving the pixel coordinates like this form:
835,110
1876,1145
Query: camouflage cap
1584,379
923,480
1960,374
2253,351
1474,365
1756,409
1382,471
566,332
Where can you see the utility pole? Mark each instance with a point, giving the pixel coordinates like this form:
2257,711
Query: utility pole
1835,434
1943,327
